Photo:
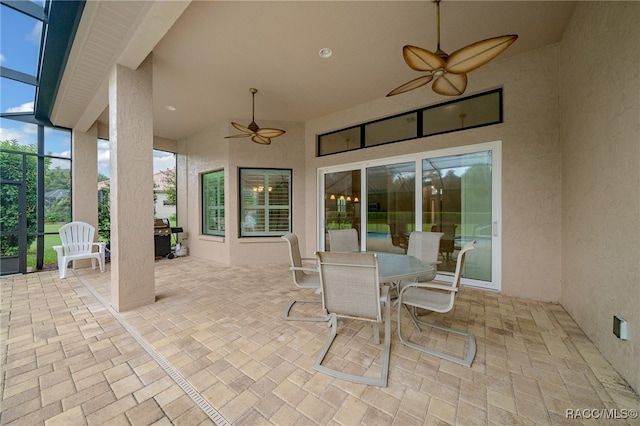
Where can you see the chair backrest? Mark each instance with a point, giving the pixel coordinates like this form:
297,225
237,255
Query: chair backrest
460,262
425,246
447,228
77,237
350,286
398,231
344,240
294,255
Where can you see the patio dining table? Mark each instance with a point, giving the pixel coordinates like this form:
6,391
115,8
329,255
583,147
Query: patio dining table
395,267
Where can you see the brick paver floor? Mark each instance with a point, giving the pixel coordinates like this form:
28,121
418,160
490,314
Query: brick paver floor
215,349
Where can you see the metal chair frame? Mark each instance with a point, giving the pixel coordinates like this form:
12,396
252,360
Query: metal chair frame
436,297
351,289
304,278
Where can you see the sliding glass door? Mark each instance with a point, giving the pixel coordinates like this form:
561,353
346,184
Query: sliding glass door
391,200
342,202
453,191
457,201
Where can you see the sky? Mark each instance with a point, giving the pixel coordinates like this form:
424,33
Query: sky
19,50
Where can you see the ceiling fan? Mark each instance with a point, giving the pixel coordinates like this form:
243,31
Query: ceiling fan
258,135
449,72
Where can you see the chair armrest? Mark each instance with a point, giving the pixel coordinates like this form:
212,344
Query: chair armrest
297,268
59,250
431,286
310,259
384,294
101,246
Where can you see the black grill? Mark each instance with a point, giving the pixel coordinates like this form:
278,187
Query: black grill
162,237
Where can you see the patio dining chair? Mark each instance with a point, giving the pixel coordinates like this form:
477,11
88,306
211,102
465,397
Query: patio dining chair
436,297
305,277
344,240
350,289
77,243
447,243
426,247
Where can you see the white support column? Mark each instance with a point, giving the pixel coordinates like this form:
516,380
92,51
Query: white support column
84,181
131,143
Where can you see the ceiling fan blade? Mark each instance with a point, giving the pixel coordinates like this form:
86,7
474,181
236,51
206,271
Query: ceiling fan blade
449,84
261,140
270,133
421,59
246,135
241,127
413,84
477,54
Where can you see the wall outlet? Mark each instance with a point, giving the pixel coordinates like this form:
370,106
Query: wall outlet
620,327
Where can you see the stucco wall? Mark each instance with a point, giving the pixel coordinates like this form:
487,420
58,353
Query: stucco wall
204,152
161,209
600,109
285,152
208,151
531,196
570,179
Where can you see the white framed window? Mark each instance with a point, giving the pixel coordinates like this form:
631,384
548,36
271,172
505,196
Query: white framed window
265,202
212,184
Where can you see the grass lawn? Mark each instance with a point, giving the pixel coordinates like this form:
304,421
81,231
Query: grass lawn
49,241
50,256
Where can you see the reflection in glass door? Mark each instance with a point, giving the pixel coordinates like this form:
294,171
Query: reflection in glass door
342,201
457,201
391,199
454,191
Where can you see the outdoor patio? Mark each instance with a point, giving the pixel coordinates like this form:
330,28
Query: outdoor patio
215,349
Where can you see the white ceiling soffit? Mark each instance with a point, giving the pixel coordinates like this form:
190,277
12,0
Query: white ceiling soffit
216,50
110,32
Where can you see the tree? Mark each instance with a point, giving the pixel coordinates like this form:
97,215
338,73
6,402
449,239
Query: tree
57,183
170,180
11,160
57,178
104,214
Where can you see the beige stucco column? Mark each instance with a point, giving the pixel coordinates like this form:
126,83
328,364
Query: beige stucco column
84,181
131,146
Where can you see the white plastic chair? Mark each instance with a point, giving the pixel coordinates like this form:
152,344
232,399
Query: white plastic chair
436,297
303,277
77,243
344,240
350,289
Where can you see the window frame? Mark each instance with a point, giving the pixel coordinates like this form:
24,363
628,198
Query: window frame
496,201
357,135
243,207
204,229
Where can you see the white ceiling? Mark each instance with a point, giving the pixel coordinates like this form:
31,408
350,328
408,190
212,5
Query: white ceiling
215,51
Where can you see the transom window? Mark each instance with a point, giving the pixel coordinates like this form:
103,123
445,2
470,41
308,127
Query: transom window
461,114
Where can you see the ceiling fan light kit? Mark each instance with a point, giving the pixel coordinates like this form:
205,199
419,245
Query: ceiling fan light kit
258,135
449,72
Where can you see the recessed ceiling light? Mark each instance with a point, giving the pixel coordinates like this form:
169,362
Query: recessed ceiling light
169,107
325,52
